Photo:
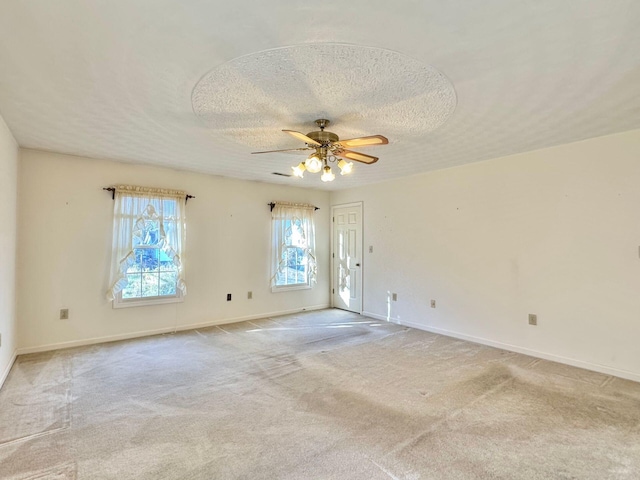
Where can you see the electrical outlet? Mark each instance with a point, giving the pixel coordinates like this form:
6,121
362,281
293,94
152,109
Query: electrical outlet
64,314
433,304
249,295
533,319
370,248
228,297
394,297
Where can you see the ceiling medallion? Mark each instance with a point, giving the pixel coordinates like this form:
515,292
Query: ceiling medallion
360,88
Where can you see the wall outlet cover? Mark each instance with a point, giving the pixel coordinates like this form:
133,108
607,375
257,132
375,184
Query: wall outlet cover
433,304
533,319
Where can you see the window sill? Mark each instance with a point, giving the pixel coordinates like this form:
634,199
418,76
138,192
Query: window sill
118,303
288,288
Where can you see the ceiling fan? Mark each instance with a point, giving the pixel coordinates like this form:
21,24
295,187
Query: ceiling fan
327,147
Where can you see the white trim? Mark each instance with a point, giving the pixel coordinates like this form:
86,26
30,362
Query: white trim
288,288
158,331
596,367
118,302
351,204
5,374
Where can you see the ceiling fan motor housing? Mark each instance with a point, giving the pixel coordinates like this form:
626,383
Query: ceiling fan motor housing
323,137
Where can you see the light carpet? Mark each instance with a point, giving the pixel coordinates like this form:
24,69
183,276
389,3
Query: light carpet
319,395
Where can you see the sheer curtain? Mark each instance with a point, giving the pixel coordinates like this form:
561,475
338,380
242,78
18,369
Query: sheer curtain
133,208
293,226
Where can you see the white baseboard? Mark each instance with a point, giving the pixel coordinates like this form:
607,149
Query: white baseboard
159,331
513,348
5,374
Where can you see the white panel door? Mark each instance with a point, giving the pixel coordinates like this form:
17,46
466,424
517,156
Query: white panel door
347,257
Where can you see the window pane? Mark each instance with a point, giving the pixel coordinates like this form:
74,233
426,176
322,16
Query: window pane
148,259
302,275
146,232
149,285
132,290
135,268
152,232
295,267
168,283
165,262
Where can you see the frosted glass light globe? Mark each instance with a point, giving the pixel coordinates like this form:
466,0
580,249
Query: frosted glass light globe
313,164
328,175
345,167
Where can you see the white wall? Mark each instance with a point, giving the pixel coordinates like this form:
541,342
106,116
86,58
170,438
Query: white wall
65,223
8,212
555,232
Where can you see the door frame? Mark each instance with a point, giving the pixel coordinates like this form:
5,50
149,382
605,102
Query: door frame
332,252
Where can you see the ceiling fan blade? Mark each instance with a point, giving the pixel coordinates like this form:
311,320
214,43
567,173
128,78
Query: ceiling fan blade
364,141
305,149
358,157
303,137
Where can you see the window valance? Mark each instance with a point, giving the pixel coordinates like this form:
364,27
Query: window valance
135,190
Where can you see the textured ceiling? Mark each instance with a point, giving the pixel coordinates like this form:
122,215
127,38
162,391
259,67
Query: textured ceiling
117,79
352,84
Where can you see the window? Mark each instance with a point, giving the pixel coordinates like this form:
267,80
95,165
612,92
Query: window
294,261
148,247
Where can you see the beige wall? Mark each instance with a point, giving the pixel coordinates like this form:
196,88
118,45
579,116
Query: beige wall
65,223
554,232
8,209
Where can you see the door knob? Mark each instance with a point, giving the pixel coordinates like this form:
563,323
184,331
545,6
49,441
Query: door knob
357,264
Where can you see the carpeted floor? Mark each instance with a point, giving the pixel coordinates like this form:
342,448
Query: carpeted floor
320,395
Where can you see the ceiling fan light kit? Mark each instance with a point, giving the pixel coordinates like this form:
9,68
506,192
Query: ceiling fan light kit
327,147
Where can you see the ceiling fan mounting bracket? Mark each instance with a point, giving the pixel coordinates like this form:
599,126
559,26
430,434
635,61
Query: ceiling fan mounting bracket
322,123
